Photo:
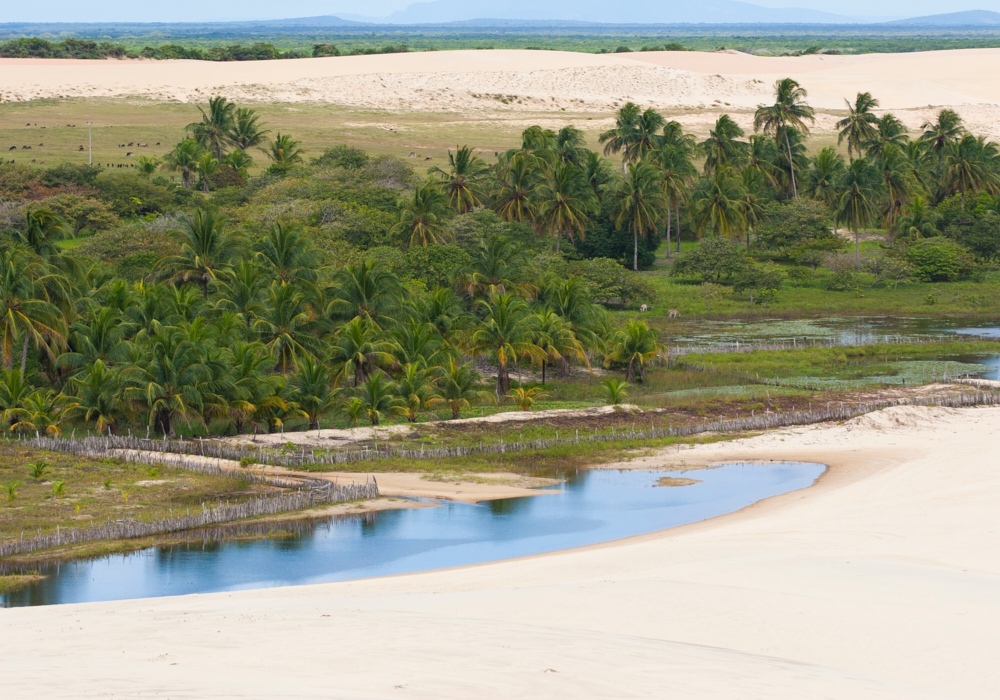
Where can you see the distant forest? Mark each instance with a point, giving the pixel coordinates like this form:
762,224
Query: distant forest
264,41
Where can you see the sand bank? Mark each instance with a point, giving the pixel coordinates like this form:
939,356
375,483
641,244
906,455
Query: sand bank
882,581
691,86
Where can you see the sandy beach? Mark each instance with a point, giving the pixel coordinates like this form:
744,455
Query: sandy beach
880,581
691,86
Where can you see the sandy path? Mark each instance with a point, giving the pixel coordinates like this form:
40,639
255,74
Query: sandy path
482,83
882,581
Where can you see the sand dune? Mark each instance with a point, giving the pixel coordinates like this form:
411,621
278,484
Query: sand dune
484,82
881,581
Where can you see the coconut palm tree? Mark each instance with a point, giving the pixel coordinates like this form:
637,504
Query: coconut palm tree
941,134
500,266
635,346
207,166
98,392
379,397
596,171
570,146
565,201
717,201
207,251
14,393
166,383
360,349
673,159
257,390
570,298
970,163
505,335
216,125
45,411
918,220
459,387
417,386
619,138
26,313
246,132
860,124
891,133
287,253
284,151
556,339
184,158
461,180
284,323
638,203
826,170
858,205
898,183
723,148
312,389
243,291
148,165
366,291
513,198
419,342
789,111
240,161
422,217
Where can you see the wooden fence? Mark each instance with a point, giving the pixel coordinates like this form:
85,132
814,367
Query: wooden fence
173,452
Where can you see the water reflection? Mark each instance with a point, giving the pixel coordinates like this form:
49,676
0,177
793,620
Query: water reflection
593,506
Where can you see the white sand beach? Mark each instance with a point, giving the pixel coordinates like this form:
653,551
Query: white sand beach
880,581
691,86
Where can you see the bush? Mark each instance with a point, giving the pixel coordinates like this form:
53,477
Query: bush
324,50
938,260
434,265
155,238
980,235
762,281
713,259
611,284
343,157
131,194
69,174
604,240
82,212
790,225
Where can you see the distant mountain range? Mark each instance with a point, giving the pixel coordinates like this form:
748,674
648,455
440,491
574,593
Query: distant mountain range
970,18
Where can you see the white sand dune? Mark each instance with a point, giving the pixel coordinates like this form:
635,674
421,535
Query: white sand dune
511,81
881,581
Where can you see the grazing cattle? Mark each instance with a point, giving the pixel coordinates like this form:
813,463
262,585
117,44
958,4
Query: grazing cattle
644,308
131,143
128,154
121,145
143,145
80,148
40,145
12,148
673,313
427,158
25,148
28,124
412,155
157,143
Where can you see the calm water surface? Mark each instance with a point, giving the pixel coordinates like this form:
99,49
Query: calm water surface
592,506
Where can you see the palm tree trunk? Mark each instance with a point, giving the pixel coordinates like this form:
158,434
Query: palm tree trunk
635,251
543,372
677,210
791,166
668,231
24,354
857,247
558,240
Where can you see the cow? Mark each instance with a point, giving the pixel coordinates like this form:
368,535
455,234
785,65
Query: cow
12,148
25,148
40,145
80,148
644,308
128,154
673,313
157,143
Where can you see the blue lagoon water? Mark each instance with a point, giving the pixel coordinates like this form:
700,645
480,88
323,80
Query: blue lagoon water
592,506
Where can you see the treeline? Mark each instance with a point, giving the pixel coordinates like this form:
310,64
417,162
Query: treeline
86,49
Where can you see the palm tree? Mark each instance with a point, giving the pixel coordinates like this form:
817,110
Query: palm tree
240,161
718,201
419,342
207,166
422,217
826,170
570,146
461,185
505,334
216,125
596,171
207,251
638,203
891,134
45,411
859,194
364,290
970,164
899,184
167,381
860,124
941,134
245,132
148,164
360,349
26,312
287,253
789,111
499,267
184,157
571,299
283,325
459,386
751,198
674,161
620,138
257,399
98,393
525,398
635,346
555,337
918,221
313,390
284,151
417,386
243,291
722,147
516,178
379,398
565,201
14,393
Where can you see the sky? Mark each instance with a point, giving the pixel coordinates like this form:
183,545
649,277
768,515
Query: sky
223,10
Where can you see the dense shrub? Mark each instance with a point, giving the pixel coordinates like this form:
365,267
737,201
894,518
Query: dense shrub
713,260
938,260
131,194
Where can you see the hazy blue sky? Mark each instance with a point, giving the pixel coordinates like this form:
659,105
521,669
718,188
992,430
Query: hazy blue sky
199,10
